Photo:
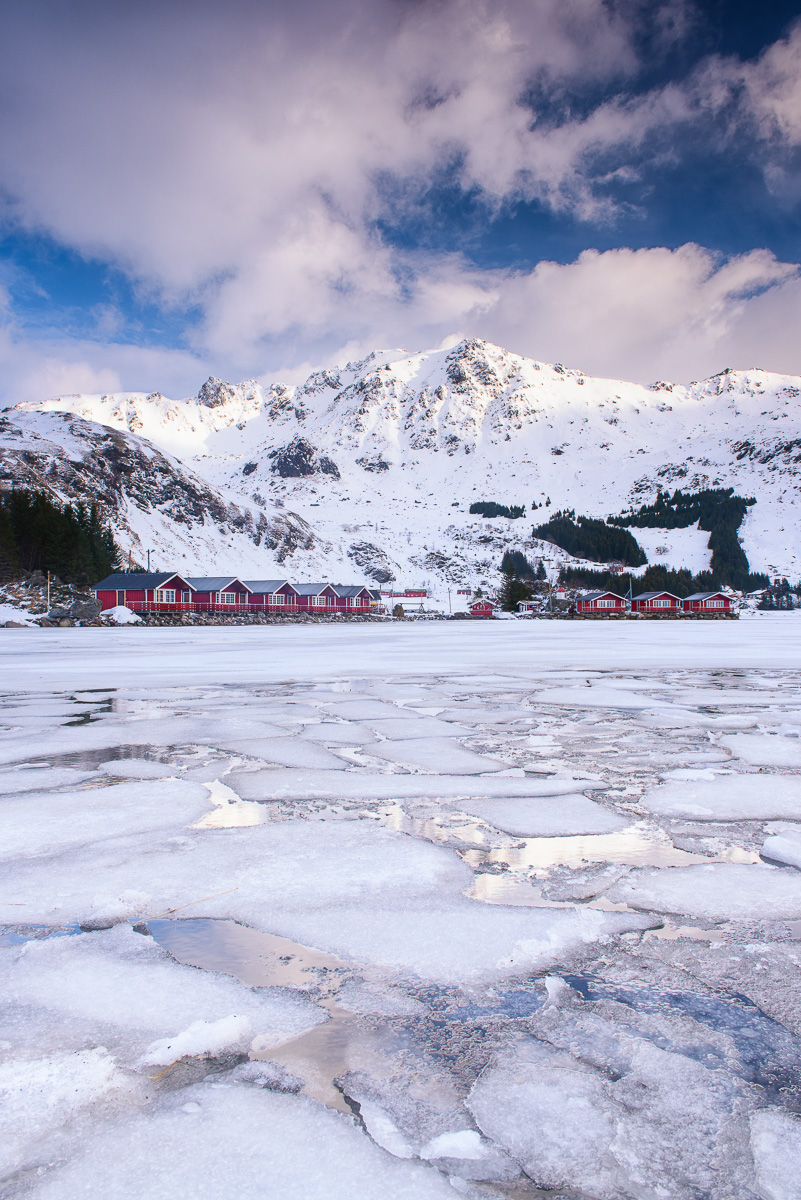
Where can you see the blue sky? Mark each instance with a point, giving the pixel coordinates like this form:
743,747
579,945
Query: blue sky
186,191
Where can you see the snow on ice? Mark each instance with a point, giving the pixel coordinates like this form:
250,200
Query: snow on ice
370,912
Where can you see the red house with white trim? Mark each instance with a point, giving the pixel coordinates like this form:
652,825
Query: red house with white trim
272,595
601,602
656,602
707,602
352,598
219,593
316,597
482,608
157,591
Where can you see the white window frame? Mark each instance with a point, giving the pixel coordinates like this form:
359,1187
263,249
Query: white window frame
275,598
120,601
164,596
319,601
604,603
714,604
226,597
659,603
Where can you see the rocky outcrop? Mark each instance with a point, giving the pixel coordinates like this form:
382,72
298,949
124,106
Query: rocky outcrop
373,561
301,458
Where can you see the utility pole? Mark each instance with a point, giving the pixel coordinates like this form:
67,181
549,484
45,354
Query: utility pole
449,601
148,562
48,591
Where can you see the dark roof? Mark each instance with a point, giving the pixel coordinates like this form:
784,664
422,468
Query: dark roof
266,585
310,589
651,595
597,595
703,595
137,582
343,590
214,583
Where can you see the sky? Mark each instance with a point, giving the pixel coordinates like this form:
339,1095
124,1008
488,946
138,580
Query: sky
257,190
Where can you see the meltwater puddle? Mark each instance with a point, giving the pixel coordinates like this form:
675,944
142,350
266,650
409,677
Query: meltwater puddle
257,959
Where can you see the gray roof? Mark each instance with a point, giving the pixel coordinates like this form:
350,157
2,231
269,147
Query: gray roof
703,595
597,595
266,585
651,595
343,590
135,582
214,583
310,589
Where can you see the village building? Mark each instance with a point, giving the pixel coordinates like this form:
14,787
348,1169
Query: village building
528,606
601,602
218,593
163,591
316,597
661,603
352,597
272,595
482,608
703,603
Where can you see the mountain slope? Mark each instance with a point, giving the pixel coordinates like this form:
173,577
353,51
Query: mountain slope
383,457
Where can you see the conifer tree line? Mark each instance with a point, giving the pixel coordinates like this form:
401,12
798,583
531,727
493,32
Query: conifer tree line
591,538
39,534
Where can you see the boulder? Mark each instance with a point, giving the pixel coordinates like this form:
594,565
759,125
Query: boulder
84,608
15,625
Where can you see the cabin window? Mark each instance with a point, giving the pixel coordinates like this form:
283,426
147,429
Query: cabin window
276,598
660,604
185,597
605,603
716,603
165,596
226,597
120,598
318,601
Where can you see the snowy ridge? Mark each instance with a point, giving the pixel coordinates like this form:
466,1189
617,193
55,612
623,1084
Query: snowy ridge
418,437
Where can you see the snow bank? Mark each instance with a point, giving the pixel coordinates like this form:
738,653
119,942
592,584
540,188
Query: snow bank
121,615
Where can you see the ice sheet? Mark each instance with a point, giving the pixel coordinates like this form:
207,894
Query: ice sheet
728,798
436,754
239,1141
547,817
776,1146
120,988
421,727
363,784
287,752
48,822
765,750
784,844
718,892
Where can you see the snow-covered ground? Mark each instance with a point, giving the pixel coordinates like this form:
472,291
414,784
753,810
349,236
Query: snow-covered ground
485,908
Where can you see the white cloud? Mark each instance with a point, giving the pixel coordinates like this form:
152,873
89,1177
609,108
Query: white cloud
237,159
653,313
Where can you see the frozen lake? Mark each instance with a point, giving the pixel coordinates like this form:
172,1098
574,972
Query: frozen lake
404,910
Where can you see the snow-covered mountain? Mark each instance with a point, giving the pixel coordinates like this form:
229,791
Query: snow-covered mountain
373,466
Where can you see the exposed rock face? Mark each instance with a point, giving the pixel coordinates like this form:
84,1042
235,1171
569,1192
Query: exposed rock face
374,562
126,476
301,458
216,392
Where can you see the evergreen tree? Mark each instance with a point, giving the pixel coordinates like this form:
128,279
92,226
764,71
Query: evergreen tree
512,590
38,534
541,572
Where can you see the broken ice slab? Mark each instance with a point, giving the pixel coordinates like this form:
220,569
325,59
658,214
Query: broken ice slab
718,892
543,816
286,784
757,797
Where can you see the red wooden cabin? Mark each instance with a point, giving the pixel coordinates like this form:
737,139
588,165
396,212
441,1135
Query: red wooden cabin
316,597
656,602
158,591
481,608
707,602
601,602
352,598
272,595
219,593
